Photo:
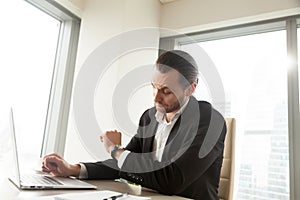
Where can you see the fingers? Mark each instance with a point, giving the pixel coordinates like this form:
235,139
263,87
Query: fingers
56,165
113,137
56,155
53,154
110,139
51,163
46,170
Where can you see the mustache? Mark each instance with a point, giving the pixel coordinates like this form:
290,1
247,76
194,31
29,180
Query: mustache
160,105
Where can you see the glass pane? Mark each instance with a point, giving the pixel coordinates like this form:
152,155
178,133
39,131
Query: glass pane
28,41
254,76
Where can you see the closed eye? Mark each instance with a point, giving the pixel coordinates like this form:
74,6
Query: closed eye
167,91
164,90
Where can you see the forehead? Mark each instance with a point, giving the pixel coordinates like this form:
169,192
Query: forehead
168,79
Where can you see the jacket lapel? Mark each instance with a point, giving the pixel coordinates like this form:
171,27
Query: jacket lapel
183,131
148,142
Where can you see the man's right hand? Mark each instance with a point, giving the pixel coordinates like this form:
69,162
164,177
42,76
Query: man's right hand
57,166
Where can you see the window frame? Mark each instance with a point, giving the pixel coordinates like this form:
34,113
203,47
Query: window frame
63,75
293,108
288,23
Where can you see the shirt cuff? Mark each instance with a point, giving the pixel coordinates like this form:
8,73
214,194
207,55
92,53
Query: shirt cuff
83,172
122,158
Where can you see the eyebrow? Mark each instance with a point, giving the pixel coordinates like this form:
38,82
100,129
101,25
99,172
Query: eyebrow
163,88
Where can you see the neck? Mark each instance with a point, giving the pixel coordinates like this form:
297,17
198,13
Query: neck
169,116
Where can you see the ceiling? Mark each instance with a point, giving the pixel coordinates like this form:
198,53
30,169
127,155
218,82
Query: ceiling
166,1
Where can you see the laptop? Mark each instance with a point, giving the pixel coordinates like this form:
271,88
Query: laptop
39,181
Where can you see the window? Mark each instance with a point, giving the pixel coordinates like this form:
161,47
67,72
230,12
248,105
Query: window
254,73
260,90
38,47
28,47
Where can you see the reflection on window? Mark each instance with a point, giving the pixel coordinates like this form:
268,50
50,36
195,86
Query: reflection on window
254,76
28,41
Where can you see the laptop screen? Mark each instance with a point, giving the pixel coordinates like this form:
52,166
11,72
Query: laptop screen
15,173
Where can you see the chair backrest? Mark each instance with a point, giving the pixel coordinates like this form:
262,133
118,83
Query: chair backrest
227,170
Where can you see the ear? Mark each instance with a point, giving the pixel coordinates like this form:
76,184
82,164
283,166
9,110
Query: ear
190,89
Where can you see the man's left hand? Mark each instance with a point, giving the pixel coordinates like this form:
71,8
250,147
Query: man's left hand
110,139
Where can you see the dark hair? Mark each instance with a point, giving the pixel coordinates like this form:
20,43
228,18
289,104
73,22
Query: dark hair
181,61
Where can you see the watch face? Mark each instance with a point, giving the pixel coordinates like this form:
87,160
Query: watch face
113,152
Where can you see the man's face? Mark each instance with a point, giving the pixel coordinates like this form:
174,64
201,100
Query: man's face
167,91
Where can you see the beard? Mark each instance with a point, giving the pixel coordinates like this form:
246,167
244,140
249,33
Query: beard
172,108
165,108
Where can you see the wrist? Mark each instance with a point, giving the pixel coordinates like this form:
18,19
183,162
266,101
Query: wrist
75,170
116,151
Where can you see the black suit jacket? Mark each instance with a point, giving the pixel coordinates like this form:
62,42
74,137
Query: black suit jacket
191,160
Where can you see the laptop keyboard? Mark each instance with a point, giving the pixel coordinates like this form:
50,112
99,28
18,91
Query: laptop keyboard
39,180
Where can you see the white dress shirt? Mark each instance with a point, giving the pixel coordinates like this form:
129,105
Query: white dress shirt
162,133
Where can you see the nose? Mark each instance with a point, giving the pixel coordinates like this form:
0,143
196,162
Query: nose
156,95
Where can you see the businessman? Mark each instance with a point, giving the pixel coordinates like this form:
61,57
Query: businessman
178,147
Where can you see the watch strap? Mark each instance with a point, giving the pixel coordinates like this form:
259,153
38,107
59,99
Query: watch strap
115,149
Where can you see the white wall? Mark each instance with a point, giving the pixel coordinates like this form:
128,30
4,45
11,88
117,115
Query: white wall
102,20
75,6
181,15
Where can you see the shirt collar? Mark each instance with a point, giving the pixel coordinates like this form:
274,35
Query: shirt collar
161,117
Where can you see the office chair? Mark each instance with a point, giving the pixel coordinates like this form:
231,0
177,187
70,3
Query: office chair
227,170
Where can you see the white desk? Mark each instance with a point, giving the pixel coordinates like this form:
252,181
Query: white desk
8,191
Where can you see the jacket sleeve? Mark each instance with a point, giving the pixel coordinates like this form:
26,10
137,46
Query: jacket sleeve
142,138
107,169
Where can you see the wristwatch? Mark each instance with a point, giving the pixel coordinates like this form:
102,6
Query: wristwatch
114,151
